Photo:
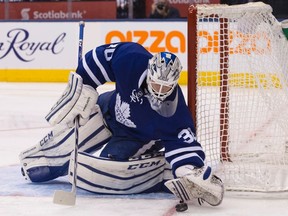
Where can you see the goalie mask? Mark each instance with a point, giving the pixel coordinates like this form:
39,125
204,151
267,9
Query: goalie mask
163,73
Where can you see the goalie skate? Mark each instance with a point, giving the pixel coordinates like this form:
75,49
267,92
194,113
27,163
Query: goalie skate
194,186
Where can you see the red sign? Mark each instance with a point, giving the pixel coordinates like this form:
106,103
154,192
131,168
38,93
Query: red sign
59,10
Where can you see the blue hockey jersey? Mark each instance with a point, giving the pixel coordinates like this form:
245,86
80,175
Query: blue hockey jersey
130,105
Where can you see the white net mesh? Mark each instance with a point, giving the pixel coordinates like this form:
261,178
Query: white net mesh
242,61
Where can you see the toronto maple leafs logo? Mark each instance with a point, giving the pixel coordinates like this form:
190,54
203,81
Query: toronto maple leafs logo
122,112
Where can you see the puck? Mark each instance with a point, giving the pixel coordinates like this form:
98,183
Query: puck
181,207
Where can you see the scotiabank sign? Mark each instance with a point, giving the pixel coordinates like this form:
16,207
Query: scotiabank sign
59,10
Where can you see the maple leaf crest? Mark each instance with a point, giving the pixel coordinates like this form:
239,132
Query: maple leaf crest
122,112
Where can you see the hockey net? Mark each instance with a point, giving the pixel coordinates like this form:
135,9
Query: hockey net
238,93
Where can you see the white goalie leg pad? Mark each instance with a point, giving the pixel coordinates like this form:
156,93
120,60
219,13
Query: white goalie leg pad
77,99
197,183
49,158
105,176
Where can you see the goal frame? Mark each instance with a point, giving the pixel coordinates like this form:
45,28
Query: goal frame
236,95
192,76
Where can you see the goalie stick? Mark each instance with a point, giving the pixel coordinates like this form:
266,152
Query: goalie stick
65,197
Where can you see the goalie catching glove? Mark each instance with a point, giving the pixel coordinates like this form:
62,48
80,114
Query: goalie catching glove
77,99
196,183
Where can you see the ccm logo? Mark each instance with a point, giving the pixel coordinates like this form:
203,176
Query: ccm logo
46,138
143,165
173,41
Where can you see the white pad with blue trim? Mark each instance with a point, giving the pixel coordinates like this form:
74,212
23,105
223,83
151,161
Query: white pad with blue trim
49,158
77,99
105,176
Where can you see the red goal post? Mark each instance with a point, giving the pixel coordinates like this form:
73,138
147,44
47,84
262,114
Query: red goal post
238,93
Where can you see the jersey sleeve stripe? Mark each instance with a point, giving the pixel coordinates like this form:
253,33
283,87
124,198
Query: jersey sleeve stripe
90,73
181,150
183,157
100,66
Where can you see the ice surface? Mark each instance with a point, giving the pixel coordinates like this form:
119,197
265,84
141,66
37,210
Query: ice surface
22,110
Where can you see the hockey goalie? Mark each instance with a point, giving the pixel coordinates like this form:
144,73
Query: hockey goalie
138,138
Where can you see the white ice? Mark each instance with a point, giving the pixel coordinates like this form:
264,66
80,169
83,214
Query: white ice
22,110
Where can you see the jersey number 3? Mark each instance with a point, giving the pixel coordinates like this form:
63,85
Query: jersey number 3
187,135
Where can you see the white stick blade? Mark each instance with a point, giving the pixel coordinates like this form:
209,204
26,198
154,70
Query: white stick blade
64,198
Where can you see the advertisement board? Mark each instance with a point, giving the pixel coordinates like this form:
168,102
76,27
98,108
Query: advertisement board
47,51
39,51
154,36
59,10
38,45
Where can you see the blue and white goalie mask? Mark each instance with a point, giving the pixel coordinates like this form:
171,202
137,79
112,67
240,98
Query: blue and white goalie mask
163,74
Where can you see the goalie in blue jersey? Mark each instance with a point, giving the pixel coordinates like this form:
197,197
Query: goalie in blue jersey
133,139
